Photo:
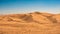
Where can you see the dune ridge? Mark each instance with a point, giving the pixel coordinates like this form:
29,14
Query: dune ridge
30,23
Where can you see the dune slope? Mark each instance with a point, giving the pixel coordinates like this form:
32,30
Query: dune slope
31,23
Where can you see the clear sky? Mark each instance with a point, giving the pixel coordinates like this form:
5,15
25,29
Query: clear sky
24,6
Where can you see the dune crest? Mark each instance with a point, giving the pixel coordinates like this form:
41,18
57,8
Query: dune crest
30,23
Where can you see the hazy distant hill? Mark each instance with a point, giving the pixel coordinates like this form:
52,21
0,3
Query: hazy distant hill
30,23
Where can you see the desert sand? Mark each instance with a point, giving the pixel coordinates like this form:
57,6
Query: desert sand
30,23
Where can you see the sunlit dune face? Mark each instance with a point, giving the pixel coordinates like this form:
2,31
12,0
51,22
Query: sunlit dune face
30,23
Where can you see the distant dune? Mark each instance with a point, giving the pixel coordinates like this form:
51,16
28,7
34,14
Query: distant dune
30,23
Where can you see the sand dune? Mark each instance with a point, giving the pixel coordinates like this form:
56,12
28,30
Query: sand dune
30,23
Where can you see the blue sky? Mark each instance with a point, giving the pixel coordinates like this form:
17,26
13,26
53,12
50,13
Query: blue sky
25,6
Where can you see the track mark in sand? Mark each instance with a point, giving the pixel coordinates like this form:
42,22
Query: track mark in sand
12,25
52,19
38,22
